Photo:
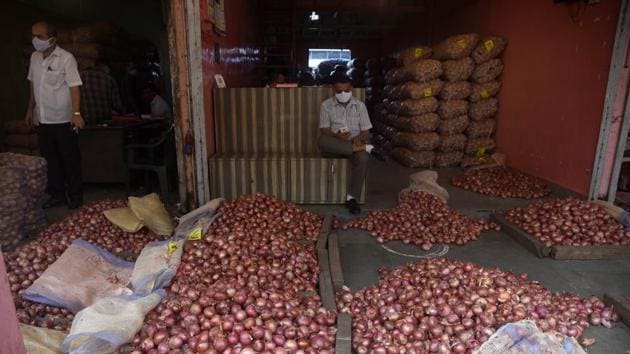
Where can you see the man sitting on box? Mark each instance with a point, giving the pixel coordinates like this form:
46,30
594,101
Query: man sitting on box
345,127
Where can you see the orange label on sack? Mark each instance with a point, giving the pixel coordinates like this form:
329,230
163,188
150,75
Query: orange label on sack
462,43
172,247
484,93
489,44
195,234
428,92
418,52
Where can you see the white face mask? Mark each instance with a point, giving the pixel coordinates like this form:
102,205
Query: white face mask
41,45
343,96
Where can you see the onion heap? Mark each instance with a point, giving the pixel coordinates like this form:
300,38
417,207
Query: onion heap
422,219
237,290
27,263
501,182
444,306
569,222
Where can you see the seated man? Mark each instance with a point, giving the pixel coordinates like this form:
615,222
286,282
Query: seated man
99,96
345,127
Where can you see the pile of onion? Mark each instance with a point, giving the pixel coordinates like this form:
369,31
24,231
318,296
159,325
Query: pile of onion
422,219
569,222
501,182
439,305
27,263
239,288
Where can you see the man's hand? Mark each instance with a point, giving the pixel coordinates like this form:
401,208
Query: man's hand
78,122
28,118
343,136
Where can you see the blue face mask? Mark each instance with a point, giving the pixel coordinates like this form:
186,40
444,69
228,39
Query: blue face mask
41,45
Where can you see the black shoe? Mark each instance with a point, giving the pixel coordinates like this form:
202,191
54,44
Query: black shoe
53,202
379,154
353,206
75,204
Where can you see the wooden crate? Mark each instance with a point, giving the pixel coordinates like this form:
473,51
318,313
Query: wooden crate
532,244
343,338
621,304
336,271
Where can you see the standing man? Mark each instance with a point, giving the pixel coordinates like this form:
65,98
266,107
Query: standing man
54,107
345,127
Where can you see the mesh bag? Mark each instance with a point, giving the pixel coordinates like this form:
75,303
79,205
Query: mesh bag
456,125
409,55
414,90
458,70
485,90
489,47
447,159
413,159
457,90
414,107
417,141
481,129
452,108
450,143
456,47
484,109
487,71
479,146
427,122
421,70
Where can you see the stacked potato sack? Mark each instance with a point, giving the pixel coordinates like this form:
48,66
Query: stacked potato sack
374,96
411,105
23,184
19,138
356,72
483,104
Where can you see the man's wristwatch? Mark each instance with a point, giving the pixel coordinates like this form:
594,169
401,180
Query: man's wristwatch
76,113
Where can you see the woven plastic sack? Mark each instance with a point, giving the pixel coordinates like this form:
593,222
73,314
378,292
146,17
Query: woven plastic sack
484,109
41,340
413,159
481,129
415,107
456,47
449,143
479,145
489,47
447,159
385,130
458,70
452,108
485,90
417,141
524,337
375,81
456,125
82,274
109,323
414,90
409,55
373,91
421,70
124,218
427,122
156,265
150,210
487,71
457,90
197,222
425,181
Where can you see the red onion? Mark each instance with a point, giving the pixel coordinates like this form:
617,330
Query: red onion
501,182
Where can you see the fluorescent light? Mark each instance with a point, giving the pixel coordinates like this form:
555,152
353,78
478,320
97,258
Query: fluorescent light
314,16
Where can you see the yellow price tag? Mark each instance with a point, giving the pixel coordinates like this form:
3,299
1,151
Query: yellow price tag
418,52
484,93
489,44
427,92
195,234
172,247
462,43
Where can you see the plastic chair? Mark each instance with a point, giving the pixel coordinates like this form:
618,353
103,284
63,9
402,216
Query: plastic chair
153,156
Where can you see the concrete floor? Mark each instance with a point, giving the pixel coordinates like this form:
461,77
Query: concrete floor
361,256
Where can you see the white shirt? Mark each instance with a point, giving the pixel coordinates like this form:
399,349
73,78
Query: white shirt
160,108
52,78
353,116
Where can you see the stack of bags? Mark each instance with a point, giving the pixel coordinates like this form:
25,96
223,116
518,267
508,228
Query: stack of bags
467,103
374,95
23,185
411,105
19,138
356,72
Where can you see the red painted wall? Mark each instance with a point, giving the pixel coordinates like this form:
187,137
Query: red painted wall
238,54
554,83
